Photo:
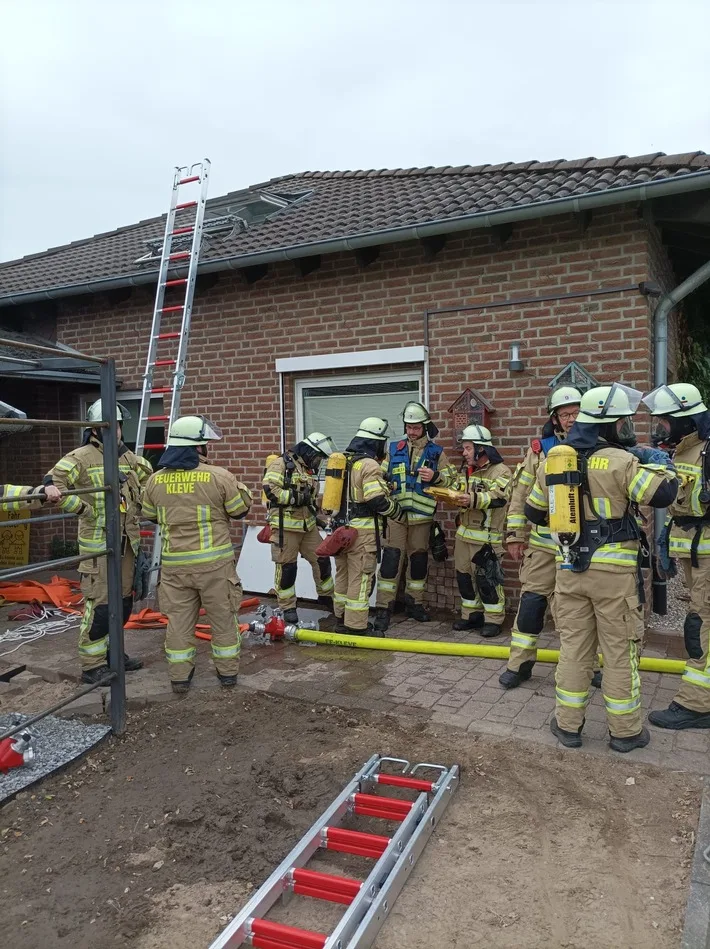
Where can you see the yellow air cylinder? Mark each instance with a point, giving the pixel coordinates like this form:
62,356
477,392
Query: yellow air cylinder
563,480
269,460
334,481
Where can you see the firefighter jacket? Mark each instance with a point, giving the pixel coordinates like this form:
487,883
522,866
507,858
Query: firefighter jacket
368,493
404,460
19,498
523,479
489,487
690,517
84,468
292,492
193,508
615,479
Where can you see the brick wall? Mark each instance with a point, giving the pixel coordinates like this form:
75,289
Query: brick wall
239,329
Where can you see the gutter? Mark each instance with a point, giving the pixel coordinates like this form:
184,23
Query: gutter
695,181
660,377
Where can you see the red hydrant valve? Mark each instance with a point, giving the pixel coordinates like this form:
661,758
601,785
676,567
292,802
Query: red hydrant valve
15,752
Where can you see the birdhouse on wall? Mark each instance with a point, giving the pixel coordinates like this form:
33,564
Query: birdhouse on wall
573,375
470,409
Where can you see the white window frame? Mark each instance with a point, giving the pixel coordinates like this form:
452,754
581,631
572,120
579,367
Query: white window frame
352,379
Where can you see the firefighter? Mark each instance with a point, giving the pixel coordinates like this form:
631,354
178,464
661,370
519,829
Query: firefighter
19,497
291,487
597,588
484,489
683,423
537,555
366,503
412,463
84,468
193,502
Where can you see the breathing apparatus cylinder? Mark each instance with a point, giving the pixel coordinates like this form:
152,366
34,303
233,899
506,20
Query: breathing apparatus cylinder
269,460
563,480
334,481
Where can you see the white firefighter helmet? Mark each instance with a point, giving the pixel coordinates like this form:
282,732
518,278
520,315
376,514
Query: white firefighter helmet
320,443
565,395
678,399
477,434
193,430
94,413
415,414
373,427
608,404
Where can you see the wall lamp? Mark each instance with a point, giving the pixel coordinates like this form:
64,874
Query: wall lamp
515,363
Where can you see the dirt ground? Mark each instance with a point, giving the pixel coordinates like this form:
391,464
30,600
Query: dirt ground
153,841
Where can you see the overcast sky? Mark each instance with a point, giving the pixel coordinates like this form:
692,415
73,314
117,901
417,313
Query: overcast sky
100,100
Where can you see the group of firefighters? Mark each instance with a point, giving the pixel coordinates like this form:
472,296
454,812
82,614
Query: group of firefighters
384,515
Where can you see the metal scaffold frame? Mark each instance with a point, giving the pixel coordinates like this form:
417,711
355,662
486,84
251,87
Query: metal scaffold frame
116,677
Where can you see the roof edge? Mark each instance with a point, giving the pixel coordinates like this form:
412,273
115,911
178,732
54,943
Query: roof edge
680,184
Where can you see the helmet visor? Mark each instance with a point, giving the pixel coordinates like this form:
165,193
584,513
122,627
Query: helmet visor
664,401
622,400
122,412
325,444
209,431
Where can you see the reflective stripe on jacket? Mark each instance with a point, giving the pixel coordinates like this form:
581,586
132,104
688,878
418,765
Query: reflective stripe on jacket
277,485
193,509
19,492
366,481
482,523
516,523
688,461
404,460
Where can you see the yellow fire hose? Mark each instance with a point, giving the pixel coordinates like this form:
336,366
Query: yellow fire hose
472,650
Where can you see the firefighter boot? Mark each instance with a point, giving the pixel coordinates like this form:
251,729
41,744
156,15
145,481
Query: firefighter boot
415,611
92,676
227,682
629,744
475,621
382,620
326,602
597,679
511,680
678,716
184,684
568,739
291,616
489,630
132,664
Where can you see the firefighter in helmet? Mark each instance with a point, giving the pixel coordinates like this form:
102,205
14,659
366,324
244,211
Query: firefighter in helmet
484,489
84,468
291,487
365,506
412,464
194,503
683,424
536,554
597,593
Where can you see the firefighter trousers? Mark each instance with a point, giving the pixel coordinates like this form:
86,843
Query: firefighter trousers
93,630
538,573
286,560
182,591
694,692
412,541
478,595
354,577
598,605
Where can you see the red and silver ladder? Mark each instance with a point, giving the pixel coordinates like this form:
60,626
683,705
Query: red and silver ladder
370,900
173,300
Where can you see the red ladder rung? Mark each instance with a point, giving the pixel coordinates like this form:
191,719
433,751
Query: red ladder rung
183,230
185,204
167,336
289,937
348,886
330,896
162,390
364,811
354,842
177,282
172,309
384,803
179,255
154,445
401,781
157,418
164,362
186,181
147,533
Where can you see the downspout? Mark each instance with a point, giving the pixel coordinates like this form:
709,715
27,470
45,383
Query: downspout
660,352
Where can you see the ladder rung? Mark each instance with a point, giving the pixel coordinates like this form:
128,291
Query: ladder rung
161,390
186,181
364,811
401,781
177,282
164,362
173,309
288,936
157,418
179,255
355,842
154,445
147,533
325,886
185,204
183,230
383,803
167,336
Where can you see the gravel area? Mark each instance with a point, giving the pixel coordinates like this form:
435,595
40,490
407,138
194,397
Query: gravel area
57,743
677,606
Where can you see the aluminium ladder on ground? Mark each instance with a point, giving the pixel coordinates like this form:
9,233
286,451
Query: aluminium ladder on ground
369,901
181,249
